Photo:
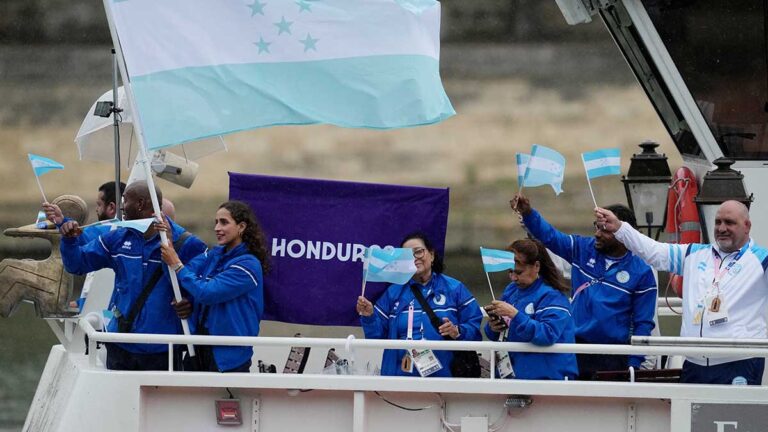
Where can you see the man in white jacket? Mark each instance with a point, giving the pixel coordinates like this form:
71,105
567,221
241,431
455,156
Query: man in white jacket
725,289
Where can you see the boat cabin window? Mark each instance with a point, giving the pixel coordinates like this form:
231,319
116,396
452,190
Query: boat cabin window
720,49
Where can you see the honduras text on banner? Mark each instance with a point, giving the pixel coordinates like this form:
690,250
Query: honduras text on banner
317,234
201,68
602,162
495,260
545,167
394,265
42,165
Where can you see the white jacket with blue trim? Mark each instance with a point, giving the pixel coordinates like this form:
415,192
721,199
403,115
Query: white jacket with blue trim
743,290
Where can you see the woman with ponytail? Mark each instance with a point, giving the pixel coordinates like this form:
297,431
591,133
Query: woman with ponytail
226,288
534,308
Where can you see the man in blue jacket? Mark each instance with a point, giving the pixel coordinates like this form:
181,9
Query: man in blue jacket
139,274
613,291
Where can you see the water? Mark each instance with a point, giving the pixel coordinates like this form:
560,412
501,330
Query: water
26,340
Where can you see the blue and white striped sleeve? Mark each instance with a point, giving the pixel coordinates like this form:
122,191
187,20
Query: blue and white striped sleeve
661,256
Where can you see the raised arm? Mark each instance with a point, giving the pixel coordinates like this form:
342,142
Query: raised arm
661,256
83,258
559,243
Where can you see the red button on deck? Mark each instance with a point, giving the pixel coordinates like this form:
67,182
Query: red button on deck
228,412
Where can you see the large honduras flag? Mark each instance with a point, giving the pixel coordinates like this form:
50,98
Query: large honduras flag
200,68
545,167
602,162
394,265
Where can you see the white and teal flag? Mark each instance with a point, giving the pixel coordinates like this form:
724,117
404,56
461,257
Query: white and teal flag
522,164
42,165
602,162
545,167
495,260
395,265
201,68
141,225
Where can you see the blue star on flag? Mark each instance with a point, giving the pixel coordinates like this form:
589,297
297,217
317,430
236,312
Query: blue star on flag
263,45
309,43
304,6
257,8
283,26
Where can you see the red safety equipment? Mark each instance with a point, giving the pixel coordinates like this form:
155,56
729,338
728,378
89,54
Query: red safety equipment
683,224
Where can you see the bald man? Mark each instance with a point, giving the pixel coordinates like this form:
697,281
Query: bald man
725,289
139,274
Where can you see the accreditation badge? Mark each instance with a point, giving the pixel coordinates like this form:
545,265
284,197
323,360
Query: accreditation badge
426,362
717,312
504,365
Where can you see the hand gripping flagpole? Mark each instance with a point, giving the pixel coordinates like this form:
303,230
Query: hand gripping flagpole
144,154
589,182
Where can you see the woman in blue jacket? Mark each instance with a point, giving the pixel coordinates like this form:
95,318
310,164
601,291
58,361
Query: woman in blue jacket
534,308
451,301
226,286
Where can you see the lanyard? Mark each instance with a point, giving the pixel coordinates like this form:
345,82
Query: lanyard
719,271
614,268
409,335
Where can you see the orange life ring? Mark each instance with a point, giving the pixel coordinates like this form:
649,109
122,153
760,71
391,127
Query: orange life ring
683,224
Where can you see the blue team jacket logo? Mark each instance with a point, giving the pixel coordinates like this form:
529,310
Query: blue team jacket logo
702,266
127,245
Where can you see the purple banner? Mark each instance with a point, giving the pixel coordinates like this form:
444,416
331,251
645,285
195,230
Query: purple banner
317,232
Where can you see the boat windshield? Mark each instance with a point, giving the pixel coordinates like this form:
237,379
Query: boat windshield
719,48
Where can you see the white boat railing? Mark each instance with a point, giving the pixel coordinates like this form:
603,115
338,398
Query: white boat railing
641,345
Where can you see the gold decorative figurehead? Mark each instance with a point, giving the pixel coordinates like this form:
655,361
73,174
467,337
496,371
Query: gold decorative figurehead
43,282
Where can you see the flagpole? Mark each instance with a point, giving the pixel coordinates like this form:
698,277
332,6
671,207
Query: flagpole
589,183
486,275
39,185
143,151
365,269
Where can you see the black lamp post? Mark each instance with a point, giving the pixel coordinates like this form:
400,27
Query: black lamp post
646,185
719,185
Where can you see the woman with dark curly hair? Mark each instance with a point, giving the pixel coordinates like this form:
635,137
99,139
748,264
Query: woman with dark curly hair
534,308
226,286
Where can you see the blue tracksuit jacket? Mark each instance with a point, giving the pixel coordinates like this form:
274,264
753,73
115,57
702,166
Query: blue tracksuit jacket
134,260
543,318
448,298
616,302
230,286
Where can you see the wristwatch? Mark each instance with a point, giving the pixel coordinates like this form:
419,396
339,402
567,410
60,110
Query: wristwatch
178,266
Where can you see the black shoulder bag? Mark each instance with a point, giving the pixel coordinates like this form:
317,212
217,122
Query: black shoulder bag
465,364
125,322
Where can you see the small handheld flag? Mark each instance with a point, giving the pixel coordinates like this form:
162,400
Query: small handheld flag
495,260
40,166
601,163
393,266
545,167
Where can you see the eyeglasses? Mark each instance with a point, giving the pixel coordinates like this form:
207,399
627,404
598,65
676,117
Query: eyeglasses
419,253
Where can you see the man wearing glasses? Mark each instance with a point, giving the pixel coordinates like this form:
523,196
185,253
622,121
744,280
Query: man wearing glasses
613,293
